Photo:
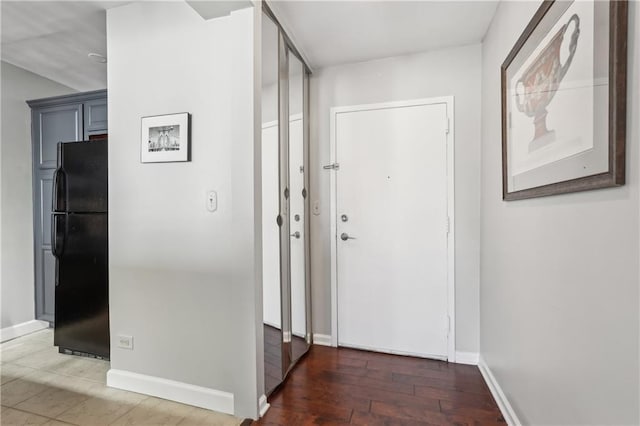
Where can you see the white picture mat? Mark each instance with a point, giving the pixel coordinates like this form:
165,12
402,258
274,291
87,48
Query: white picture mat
578,113
182,120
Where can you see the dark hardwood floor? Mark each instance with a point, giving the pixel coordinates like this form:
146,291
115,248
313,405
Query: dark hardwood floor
344,386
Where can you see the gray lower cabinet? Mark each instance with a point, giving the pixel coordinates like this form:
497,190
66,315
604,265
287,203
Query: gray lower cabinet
61,119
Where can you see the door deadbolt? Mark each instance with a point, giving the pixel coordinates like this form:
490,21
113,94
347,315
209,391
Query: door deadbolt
344,218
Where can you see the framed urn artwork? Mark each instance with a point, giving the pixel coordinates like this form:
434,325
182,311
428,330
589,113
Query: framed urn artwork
165,138
564,101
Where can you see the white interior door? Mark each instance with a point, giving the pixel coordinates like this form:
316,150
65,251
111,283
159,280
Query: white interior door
391,203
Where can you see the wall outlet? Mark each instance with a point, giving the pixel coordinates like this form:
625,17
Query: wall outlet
125,342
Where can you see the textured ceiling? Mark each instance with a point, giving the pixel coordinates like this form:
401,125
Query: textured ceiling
53,38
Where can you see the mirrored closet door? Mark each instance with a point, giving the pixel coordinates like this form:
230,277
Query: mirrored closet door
297,219
271,297
285,204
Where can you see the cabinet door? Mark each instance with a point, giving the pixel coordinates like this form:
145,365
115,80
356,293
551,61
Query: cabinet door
50,125
95,117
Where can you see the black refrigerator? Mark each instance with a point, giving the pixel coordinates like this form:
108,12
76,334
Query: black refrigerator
80,245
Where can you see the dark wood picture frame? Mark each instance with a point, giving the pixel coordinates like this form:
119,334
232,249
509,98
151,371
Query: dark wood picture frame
615,176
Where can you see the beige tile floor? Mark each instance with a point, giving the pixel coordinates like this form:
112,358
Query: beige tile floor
39,386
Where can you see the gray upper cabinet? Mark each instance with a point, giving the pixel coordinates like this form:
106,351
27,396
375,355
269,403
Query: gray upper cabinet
95,117
61,119
52,125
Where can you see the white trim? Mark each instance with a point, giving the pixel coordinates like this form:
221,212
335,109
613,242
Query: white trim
469,358
501,399
322,339
451,237
395,104
185,393
451,304
333,237
22,329
263,405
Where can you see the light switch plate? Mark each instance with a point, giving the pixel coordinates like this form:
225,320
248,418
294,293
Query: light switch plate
212,201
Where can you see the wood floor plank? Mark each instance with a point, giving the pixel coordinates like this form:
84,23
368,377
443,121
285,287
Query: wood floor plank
462,409
365,373
316,409
284,417
335,359
365,382
425,412
447,384
425,372
291,392
462,398
372,419
408,361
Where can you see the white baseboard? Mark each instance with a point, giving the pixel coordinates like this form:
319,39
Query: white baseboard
469,358
263,405
322,339
197,396
503,403
22,329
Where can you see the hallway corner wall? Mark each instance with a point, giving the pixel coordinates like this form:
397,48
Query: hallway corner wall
559,291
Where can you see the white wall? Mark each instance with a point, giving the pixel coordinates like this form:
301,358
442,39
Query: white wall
454,71
17,275
184,282
559,275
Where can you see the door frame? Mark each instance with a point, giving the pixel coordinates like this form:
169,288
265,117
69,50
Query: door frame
448,101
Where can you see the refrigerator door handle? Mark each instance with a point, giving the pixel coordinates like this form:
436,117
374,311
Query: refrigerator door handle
58,234
59,195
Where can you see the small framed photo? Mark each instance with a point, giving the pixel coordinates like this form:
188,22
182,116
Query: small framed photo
166,138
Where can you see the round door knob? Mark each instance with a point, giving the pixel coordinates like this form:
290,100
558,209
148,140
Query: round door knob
296,234
344,237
